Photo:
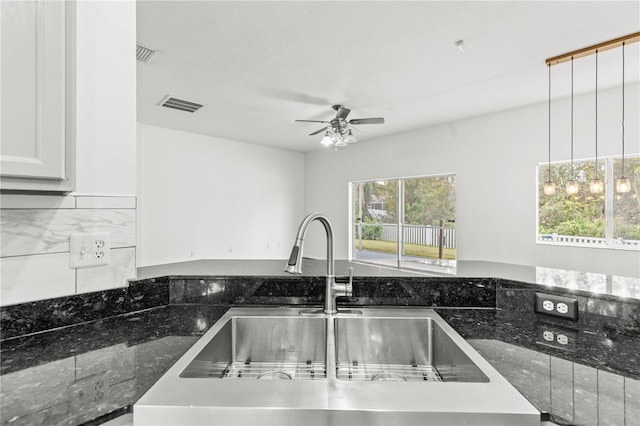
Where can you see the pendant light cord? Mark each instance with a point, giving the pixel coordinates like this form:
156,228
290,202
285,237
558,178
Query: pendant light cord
596,114
572,118
623,109
549,166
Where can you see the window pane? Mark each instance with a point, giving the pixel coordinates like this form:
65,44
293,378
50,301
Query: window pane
626,206
429,220
573,218
375,211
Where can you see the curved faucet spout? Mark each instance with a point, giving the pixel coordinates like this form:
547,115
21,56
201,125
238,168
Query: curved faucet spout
294,265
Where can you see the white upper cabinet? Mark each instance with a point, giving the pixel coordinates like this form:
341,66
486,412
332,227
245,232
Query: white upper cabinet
36,129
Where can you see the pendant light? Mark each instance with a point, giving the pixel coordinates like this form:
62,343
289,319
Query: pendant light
596,185
623,184
549,187
572,185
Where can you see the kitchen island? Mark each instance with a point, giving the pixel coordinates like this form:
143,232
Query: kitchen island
85,360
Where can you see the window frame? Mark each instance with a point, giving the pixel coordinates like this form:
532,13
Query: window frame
448,266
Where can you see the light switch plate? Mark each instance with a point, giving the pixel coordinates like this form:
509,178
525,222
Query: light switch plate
87,250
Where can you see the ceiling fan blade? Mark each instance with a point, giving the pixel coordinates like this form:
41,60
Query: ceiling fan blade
342,112
376,120
312,121
319,131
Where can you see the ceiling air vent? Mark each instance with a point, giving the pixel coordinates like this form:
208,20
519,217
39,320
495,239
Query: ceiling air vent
144,54
175,103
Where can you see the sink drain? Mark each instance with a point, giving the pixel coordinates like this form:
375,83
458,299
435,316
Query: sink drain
389,377
274,375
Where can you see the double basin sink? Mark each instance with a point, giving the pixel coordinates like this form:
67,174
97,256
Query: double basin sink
274,366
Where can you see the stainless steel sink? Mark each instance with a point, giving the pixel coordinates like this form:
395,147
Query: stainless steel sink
264,348
400,349
386,366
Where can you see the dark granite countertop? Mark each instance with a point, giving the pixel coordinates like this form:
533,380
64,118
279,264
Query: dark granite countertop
615,285
585,372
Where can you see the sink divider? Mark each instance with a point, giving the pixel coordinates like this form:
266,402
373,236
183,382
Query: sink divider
330,345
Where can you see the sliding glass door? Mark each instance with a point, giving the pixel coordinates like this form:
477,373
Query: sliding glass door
406,222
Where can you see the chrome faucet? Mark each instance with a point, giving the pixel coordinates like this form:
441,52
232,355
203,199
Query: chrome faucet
294,265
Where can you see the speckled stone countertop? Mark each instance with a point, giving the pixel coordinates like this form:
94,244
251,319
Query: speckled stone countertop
585,372
615,285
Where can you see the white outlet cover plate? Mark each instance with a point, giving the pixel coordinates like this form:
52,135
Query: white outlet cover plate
90,249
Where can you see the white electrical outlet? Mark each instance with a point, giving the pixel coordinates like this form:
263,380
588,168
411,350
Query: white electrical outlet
89,249
559,306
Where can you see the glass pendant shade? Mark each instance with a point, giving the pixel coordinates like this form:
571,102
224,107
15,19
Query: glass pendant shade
350,138
596,186
623,185
549,188
572,187
326,140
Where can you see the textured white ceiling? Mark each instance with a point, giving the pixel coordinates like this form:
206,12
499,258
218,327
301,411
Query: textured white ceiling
258,66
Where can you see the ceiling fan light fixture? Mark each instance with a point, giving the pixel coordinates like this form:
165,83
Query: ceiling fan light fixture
350,138
338,131
326,140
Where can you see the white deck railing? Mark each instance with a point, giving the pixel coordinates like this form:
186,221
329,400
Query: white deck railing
572,239
416,234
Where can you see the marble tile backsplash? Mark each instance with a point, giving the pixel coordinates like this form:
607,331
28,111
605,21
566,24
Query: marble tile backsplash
34,245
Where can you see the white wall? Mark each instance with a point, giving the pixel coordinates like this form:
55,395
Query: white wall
106,98
499,150
212,198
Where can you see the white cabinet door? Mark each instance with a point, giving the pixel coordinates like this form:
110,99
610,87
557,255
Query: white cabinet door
34,142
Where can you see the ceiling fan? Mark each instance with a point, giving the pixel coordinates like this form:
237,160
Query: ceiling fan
339,130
